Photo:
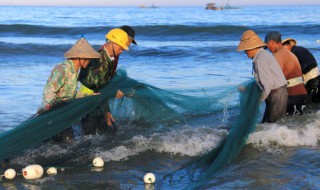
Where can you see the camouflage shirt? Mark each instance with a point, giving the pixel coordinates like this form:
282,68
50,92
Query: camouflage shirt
61,84
99,72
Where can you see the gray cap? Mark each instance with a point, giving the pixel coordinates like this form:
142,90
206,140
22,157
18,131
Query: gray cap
275,36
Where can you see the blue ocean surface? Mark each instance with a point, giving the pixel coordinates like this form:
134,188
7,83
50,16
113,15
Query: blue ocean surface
185,49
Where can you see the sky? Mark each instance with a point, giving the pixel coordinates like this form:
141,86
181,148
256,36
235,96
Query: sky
156,2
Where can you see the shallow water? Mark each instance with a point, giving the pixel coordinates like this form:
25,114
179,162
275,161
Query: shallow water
180,49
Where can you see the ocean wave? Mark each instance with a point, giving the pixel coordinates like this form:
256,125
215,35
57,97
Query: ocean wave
186,142
41,30
148,48
197,31
10,50
34,49
272,137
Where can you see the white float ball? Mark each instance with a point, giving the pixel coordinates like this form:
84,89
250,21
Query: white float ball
98,162
10,174
149,178
52,171
32,172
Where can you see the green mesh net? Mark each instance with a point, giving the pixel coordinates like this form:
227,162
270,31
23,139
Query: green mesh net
229,149
145,104
45,126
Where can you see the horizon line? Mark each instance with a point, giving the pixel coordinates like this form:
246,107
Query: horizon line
250,5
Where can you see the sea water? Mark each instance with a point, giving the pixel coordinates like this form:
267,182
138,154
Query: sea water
179,48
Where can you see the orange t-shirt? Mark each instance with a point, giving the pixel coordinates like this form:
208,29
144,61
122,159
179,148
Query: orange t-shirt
291,68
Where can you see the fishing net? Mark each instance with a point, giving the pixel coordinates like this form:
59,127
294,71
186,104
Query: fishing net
39,128
237,137
201,171
143,103
73,153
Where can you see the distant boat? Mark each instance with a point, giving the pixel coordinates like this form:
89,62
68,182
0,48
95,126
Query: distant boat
228,6
151,7
212,6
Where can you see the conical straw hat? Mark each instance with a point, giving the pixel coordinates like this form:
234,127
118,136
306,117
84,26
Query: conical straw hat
82,49
250,40
292,41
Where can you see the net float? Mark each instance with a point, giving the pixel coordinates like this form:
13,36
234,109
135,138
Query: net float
98,162
10,174
52,171
32,172
149,178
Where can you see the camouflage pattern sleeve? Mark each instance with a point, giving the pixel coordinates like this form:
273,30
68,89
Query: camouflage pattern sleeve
54,83
98,73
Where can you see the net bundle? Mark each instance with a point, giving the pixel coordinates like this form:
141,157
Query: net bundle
143,103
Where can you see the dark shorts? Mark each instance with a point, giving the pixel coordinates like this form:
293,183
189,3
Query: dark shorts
93,123
313,87
296,103
276,104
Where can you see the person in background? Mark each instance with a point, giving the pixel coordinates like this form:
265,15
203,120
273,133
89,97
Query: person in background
308,65
297,93
100,72
62,83
267,74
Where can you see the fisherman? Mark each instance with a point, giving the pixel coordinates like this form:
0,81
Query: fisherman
99,73
308,65
62,83
267,74
289,63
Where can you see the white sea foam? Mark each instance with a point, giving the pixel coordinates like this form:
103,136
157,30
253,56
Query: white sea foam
270,137
188,142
